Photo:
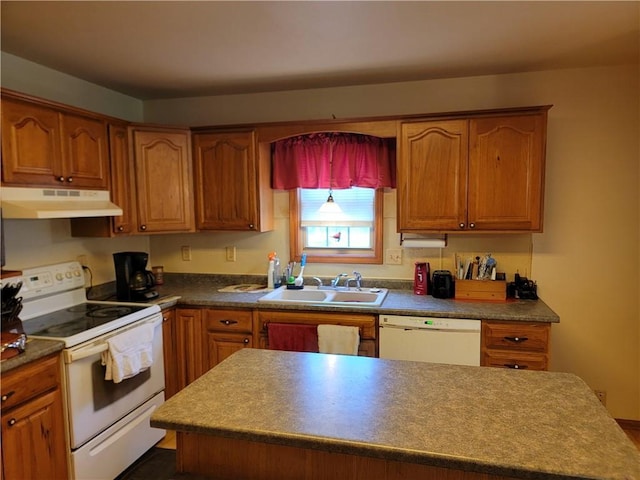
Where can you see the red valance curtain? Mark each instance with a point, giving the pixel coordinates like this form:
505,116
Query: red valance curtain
333,160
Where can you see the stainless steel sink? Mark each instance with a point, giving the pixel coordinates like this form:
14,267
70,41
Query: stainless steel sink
312,295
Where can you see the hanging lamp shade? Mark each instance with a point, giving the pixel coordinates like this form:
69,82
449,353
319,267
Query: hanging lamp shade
330,206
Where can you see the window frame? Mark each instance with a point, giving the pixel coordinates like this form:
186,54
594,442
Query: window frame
330,255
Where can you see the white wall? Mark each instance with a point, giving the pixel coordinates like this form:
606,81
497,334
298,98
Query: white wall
586,262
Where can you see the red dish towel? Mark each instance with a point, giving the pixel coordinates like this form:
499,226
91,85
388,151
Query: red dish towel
293,337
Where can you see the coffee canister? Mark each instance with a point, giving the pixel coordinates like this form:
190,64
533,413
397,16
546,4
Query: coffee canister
158,273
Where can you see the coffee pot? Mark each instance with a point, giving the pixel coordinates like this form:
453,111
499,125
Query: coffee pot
134,283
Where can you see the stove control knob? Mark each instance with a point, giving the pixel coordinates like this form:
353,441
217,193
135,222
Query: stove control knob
68,274
59,277
77,273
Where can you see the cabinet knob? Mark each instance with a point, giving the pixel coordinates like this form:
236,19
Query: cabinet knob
252,226
11,422
121,228
245,341
143,227
70,179
7,395
472,225
228,322
60,179
461,225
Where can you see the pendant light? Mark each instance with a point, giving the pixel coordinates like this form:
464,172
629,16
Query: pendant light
330,206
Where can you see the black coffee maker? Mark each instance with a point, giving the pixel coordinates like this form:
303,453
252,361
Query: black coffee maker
134,283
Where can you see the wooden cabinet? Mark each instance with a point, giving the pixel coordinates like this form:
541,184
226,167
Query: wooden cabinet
50,147
170,354
225,332
366,324
163,177
206,336
518,345
189,345
123,192
33,431
482,173
231,182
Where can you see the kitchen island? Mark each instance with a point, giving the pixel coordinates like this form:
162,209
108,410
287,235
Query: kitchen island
274,414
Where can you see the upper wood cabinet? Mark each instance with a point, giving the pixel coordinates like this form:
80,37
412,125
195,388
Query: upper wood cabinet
163,176
49,147
472,174
232,182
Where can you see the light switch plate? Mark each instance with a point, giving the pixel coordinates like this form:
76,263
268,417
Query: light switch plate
231,254
186,253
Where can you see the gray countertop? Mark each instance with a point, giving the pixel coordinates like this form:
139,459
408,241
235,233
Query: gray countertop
524,424
202,290
34,350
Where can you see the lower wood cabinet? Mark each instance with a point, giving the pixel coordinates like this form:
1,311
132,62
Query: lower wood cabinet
33,431
517,345
366,324
170,354
226,332
206,336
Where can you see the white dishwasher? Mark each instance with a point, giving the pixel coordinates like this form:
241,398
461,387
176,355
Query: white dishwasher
426,339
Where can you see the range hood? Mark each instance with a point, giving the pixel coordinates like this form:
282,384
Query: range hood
18,202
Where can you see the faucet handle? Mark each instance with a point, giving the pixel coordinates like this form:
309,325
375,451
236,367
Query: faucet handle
357,275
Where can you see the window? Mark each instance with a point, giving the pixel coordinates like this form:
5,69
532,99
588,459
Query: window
353,236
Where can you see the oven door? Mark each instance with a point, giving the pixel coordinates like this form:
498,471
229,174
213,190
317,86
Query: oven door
94,403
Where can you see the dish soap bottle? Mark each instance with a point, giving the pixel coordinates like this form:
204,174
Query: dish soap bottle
271,270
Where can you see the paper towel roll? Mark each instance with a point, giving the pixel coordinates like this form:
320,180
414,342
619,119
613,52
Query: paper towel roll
424,243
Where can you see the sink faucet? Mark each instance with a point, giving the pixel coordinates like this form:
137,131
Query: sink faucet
357,277
319,280
335,282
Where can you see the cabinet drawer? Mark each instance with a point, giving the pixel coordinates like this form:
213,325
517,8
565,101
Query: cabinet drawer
515,360
228,320
29,381
526,337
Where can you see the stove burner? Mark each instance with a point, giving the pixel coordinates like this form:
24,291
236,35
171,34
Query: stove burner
108,312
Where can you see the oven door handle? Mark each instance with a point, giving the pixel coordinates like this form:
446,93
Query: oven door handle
71,356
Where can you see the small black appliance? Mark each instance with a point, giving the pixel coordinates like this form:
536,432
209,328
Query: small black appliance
134,283
442,284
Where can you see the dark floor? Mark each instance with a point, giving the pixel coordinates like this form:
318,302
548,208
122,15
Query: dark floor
156,464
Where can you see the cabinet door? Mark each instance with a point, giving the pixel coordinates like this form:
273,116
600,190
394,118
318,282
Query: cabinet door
163,181
220,345
189,347
85,154
170,354
225,179
432,176
506,171
122,180
33,442
30,145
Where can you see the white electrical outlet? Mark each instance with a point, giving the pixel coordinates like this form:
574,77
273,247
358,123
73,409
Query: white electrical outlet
602,396
186,253
231,254
393,256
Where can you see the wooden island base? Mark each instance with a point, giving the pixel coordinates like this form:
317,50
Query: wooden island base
232,459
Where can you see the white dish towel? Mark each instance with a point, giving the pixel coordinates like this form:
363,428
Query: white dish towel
129,353
338,339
